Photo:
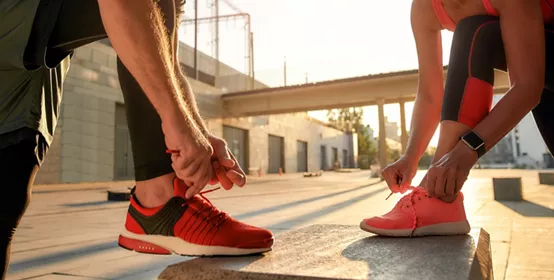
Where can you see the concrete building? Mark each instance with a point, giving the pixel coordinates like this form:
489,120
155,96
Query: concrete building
92,140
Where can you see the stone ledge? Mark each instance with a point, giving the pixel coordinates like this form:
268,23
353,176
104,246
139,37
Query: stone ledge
346,252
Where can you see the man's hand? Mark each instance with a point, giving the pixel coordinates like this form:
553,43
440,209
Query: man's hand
191,153
399,175
226,168
447,176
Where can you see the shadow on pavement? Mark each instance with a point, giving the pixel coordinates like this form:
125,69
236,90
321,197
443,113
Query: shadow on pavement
529,209
62,256
295,203
327,210
92,203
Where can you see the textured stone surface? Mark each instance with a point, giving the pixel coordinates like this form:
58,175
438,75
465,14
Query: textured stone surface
546,178
507,189
346,252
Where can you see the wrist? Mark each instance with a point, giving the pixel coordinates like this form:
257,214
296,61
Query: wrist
474,142
410,158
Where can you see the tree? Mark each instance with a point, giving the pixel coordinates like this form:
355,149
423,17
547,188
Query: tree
426,158
352,118
392,154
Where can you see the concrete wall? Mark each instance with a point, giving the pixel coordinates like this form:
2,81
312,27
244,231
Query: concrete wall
88,115
228,80
50,171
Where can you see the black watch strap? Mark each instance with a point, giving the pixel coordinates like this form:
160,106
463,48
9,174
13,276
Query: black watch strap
476,143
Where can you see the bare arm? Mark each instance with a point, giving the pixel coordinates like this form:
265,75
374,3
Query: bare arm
136,30
188,94
523,35
427,107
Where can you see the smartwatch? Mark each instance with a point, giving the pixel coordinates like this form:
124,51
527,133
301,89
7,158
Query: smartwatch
473,141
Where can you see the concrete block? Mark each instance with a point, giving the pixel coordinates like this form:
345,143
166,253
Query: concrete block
120,194
546,178
346,252
507,189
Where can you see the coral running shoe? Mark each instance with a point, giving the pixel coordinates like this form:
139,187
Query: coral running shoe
417,214
191,227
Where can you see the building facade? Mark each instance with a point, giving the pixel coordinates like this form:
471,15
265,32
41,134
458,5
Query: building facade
92,140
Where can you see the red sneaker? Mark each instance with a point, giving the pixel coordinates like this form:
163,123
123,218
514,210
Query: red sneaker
417,214
192,227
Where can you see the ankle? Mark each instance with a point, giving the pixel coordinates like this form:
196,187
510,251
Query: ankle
448,199
155,192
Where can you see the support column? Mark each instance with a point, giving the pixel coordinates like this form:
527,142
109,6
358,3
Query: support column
382,135
403,131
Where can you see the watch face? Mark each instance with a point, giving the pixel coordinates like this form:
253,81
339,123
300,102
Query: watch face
473,140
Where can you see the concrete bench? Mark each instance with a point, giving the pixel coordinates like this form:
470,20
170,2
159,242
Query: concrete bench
507,189
346,252
546,178
120,194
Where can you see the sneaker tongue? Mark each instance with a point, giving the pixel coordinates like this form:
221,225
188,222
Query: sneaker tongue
179,187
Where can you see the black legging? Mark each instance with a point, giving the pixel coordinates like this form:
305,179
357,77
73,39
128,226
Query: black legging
79,23
477,49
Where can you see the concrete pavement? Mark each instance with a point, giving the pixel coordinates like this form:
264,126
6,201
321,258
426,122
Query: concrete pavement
71,232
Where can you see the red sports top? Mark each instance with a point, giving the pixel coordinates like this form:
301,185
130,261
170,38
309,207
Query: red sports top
547,7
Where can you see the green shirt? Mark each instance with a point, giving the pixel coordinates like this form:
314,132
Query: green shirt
30,96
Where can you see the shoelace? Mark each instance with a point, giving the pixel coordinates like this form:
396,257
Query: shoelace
409,200
207,209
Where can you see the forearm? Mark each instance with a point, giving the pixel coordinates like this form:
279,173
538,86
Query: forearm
190,102
425,119
506,114
136,31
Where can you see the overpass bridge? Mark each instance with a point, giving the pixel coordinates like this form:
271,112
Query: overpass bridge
379,89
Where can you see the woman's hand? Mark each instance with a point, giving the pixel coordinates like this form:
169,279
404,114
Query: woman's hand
447,176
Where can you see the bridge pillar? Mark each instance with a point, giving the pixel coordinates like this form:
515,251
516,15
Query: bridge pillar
403,131
382,134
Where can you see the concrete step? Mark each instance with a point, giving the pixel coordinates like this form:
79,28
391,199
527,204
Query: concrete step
346,252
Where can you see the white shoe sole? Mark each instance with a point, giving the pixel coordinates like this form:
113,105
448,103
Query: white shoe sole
456,228
154,243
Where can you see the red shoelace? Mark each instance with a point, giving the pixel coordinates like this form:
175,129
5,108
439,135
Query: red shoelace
204,207
409,200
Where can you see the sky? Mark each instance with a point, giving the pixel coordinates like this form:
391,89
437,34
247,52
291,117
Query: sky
320,40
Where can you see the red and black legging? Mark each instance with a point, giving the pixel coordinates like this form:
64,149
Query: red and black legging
477,49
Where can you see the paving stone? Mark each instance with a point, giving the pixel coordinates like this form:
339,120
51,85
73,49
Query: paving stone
346,252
